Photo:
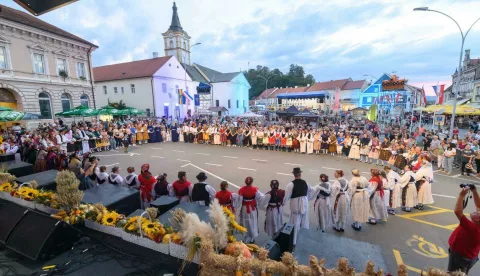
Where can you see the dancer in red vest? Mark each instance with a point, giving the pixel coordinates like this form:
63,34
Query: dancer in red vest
181,188
249,196
147,181
225,197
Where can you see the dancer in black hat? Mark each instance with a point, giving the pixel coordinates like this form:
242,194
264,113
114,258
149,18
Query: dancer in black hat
202,193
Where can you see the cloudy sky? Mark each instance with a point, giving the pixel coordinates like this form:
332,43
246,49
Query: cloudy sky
330,39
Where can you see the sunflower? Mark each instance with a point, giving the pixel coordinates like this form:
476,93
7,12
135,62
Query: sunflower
28,193
110,219
237,226
228,212
132,223
151,227
6,187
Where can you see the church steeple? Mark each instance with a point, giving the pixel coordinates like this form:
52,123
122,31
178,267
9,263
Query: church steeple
175,25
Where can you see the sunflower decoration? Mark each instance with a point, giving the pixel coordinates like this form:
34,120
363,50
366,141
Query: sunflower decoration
228,212
45,197
151,228
7,187
237,226
27,193
132,224
110,218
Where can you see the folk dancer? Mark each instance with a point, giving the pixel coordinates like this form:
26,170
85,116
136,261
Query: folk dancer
360,204
114,178
378,209
62,141
274,215
355,148
310,141
341,203
322,206
332,144
303,141
424,179
131,180
395,189
84,138
181,188
226,198
202,193
324,142
249,195
364,148
408,198
162,187
297,194
147,182
340,142
316,142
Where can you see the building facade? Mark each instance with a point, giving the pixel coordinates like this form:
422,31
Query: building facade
467,81
176,40
43,69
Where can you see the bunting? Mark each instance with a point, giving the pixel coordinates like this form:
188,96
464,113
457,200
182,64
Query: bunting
439,92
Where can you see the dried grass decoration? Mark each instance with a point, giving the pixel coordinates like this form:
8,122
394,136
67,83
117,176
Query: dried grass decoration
193,230
220,224
5,176
68,194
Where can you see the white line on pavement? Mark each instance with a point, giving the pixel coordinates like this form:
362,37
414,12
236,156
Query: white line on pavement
158,157
184,160
199,153
217,165
120,154
436,171
326,168
240,168
366,173
178,150
447,196
112,165
457,175
260,160
314,171
214,175
233,157
292,164
288,174
185,165
156,148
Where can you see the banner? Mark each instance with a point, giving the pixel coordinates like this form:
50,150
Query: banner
197,99
372,113
337,99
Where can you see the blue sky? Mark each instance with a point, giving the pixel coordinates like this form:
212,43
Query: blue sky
331,39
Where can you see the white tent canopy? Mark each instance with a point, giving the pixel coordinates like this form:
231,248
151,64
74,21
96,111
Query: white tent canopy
250,115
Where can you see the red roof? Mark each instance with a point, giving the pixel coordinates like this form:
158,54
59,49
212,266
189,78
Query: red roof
129,70
266,93
329,85
288,90
358,84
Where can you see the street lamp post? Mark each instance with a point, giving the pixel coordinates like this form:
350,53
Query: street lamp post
457,84
266,86
183,54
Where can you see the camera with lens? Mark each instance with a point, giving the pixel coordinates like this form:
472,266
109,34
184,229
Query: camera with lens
471,186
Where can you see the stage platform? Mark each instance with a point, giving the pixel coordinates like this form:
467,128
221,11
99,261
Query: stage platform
122,200
18,168
189,207
45,180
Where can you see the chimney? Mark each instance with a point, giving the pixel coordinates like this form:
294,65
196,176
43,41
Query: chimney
155,55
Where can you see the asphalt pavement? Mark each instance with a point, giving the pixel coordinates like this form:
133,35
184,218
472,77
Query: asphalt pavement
418,239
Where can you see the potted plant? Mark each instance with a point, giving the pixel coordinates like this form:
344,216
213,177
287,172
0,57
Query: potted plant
63,74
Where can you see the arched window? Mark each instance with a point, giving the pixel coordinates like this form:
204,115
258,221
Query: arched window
66,102
84,100
171,44
45,106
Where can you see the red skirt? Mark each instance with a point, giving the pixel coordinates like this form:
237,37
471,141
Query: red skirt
271,140
223,138
295,144
283,141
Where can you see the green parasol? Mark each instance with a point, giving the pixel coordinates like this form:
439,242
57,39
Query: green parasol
4,108
108,110
130,111
74,112
17,116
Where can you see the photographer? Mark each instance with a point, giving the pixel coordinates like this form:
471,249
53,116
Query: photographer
465,240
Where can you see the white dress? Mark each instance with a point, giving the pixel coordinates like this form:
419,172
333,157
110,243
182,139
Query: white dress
360,204
323,206
273,215
310,143
303,143
355,149
395,188
377,204
425,192
341,200
247,219
298,209
407,182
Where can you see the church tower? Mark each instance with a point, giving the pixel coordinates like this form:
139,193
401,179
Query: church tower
177,41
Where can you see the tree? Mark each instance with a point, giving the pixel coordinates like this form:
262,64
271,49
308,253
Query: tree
118,105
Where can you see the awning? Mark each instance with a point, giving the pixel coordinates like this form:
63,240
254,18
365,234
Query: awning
217,109
459,102
300,95
203,88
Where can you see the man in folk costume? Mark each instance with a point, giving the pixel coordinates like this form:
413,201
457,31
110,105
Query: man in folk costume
298,193
395,189
62,141
274,215
186,131
377,204
424,179
408,198
202,193
360,204
249,195
341,201
84,137
181,188
322,206
226,198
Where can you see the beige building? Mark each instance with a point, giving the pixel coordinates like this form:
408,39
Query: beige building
43,69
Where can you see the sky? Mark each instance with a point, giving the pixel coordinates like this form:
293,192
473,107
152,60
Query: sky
330,39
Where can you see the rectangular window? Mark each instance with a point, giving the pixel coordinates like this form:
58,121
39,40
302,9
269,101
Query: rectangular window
115,90
237,103
164,87
228,103
477,94
105,90
61,65
39,63
3,58
121,88
81,70
148,112
369,99
132,88
217,103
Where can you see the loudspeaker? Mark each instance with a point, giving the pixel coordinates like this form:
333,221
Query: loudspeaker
10,216
38,236
274,251
284,237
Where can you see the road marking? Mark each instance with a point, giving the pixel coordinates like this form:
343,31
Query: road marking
247,169
329,168
447,196
399,260
178,150
452,226
217,165
157,148
157,157
112,165
121,154
260,160
457,175
366,173
214,175
185,165
199,153
184,160
426,222
288,174
424,213
426,248
293,164
232,157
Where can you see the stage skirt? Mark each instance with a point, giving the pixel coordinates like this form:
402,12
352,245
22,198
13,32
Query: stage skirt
289,142
271,140
223,138
316,145
374,153
273,220
364,150
200,137
377,207
323,213
332,148
324,145
283,141
360,206
295,144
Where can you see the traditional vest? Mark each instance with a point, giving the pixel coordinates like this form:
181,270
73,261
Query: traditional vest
276,198
161,188
300,188
323,194
199,193
181,189
130,180
248,193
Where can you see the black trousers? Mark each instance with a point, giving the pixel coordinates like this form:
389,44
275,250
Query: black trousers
457,262
477,162
464,164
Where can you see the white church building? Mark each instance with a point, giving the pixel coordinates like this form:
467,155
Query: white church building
156,85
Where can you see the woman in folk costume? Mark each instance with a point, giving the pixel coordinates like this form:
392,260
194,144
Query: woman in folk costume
217,137
233,136
297,194
192,135
283,139
409,197
355,149
260,135
395,189
157,130
374,150
341,201
385,152
151,134
271,138
360,204
347,144
332,144
364,148
310,141
424,179
226,198
322,206
140,137
303,141
147,182
289,144
386,190
274,214
223,136
278,140
253,136
249,195
247,137
295,141
324,142
199,136
378,209
181,188
206,134
240,137
316,142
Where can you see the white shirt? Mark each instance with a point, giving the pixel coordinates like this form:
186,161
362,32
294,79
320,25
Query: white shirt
11,150
115,178
16,129
392,178
299,204
131,181
210,190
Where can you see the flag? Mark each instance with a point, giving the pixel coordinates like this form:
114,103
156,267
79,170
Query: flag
439,92
424,98
337,98
181,97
